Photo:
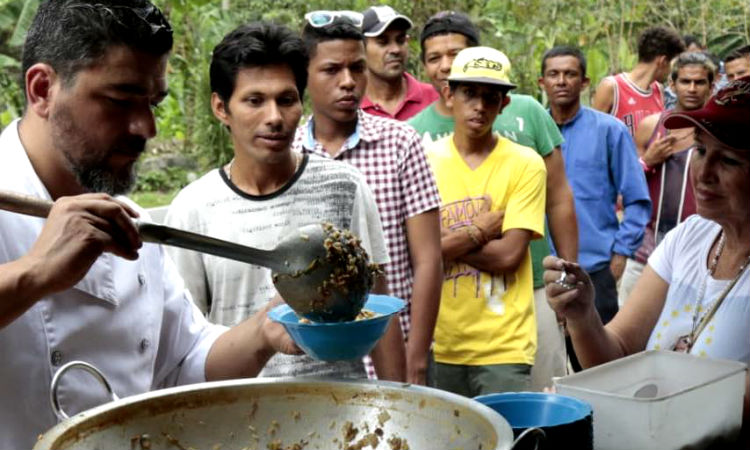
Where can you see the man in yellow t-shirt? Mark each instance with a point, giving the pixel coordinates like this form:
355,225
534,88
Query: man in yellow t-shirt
493,198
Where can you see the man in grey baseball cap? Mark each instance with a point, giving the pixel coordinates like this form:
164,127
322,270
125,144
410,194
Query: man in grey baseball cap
376,19
391,92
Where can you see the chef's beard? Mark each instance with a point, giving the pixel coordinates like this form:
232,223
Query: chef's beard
94,179
90,167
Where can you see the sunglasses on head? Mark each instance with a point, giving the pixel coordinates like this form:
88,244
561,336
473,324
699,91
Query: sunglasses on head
320,19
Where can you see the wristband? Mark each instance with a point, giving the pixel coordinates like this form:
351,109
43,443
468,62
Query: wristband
475,234
485,237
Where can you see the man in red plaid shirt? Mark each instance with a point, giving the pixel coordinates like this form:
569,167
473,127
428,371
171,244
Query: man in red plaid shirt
390,156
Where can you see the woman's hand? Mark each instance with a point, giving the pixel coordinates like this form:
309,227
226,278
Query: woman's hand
569,288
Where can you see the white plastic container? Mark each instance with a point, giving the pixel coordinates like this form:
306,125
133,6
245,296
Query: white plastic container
661,400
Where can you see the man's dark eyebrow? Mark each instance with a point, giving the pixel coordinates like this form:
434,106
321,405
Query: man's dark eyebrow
135,89
289,91
270,94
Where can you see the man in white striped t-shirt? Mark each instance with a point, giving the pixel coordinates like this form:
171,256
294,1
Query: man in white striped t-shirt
258,75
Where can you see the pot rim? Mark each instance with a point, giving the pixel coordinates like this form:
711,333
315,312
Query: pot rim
501,427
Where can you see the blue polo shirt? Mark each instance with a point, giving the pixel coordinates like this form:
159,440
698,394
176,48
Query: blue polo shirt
601,162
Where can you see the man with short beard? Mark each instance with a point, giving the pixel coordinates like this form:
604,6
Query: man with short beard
81,285
90,169
664,156
391,91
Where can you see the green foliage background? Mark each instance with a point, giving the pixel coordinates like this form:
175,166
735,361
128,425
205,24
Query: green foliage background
605,29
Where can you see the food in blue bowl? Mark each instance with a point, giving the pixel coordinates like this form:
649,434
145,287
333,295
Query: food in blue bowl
332,341
566,421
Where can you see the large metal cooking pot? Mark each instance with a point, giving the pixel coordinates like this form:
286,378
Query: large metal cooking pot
286,414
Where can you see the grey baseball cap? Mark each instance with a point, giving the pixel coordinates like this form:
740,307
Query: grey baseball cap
378,18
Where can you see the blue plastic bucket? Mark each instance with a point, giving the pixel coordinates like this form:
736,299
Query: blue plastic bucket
566,421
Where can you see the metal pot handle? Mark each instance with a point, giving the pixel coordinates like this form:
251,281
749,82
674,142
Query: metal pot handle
540,435
54,401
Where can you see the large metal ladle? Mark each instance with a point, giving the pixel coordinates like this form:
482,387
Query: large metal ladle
316,269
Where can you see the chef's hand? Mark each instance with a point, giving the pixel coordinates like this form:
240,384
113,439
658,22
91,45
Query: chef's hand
571,296
77,231
275,334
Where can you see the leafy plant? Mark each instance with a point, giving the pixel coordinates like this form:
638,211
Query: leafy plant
606,30
164,180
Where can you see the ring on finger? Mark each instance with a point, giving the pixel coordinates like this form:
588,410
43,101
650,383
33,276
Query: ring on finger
561,281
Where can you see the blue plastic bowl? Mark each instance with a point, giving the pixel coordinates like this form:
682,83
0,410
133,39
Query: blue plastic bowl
334,341
566,421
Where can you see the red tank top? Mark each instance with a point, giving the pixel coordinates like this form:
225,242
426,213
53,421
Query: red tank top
631,103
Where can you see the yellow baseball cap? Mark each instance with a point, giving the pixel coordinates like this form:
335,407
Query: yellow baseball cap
481,65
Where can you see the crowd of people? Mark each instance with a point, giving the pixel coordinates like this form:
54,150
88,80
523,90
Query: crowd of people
525,240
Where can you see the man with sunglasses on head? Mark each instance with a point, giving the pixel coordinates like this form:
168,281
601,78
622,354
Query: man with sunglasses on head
81,284
390,156
258,76
391,91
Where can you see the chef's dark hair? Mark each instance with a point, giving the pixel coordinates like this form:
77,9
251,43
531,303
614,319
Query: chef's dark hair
71,35
254,45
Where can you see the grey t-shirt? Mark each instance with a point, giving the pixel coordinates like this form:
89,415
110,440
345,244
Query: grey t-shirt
229,291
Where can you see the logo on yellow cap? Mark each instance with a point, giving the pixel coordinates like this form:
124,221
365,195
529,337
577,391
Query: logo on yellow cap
483,63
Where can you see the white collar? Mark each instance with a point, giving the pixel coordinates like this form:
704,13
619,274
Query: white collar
19,175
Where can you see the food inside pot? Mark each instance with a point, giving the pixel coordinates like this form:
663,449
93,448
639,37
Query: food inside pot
286,415
350,437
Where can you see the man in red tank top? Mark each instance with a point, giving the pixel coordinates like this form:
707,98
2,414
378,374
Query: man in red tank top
631,96
664,156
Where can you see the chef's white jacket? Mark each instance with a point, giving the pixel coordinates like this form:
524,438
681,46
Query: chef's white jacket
134,320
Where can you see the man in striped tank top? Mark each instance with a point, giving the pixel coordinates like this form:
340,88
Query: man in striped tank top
631,96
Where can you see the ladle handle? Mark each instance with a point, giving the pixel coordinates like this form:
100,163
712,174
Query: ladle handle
151,232
160,234
24,204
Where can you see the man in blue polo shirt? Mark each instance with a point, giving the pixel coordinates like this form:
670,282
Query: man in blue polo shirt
601,163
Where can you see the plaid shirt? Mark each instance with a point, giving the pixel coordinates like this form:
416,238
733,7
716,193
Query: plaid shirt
390,156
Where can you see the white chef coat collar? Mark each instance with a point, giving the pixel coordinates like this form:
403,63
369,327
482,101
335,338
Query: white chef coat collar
25,178
99,281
